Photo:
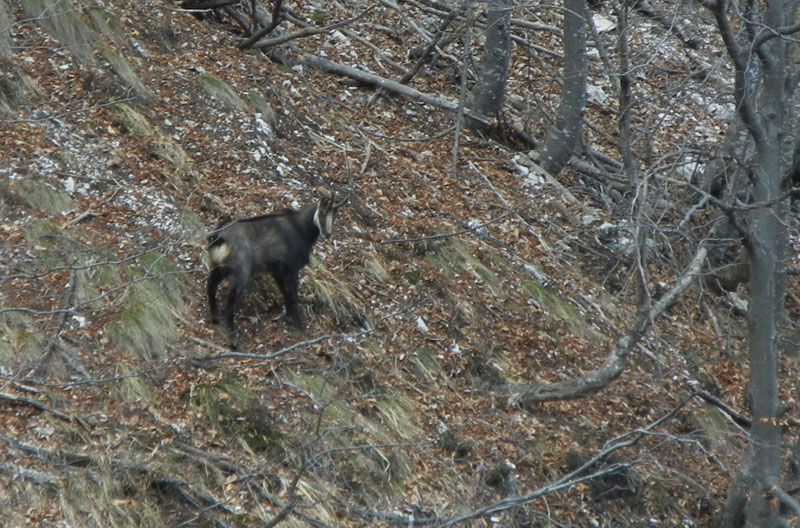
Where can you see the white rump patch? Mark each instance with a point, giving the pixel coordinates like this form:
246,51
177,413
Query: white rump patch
219,253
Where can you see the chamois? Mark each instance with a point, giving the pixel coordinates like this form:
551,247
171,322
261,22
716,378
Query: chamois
277,243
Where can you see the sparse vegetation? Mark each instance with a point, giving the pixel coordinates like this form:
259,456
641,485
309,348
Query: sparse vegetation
455,272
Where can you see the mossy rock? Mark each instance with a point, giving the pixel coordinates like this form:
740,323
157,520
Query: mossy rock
40,232
37,194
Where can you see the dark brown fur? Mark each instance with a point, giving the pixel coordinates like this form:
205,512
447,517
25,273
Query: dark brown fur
278,243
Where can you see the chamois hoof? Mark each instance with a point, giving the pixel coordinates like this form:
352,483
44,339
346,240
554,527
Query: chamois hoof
236,345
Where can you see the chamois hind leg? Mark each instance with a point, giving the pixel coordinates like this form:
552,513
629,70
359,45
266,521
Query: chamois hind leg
214,278
238,286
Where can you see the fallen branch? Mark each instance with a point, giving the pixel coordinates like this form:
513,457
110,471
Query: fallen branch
206,6
785,498
738,418
202,500
37,477
395,87
21,400
272,355
592,381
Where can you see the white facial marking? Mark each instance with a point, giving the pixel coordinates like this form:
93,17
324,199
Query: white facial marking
316,220
324,224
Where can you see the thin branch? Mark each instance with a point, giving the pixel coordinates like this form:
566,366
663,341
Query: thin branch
515,210
567,481
571,479
785,498
426,53
247,355
305,32
258,35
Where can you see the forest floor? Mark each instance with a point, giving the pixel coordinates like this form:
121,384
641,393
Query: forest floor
454,269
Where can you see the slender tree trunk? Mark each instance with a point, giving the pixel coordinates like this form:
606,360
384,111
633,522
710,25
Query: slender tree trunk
488,93
767,292
764,100
565,133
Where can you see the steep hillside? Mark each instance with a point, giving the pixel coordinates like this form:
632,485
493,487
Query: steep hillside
130,129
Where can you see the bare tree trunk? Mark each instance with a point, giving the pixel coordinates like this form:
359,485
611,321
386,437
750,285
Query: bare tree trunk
565,133
764,100
767,242
488,93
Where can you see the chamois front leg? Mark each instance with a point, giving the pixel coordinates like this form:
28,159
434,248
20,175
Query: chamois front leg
289,284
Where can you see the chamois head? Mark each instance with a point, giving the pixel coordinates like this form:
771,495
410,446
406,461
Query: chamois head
326,210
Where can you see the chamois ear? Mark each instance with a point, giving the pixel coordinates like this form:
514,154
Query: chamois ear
323,192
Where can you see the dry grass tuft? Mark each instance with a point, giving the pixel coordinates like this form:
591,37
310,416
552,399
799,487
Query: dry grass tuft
63,21
159,143
222,91
372,268
148,325
333,297
126,73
